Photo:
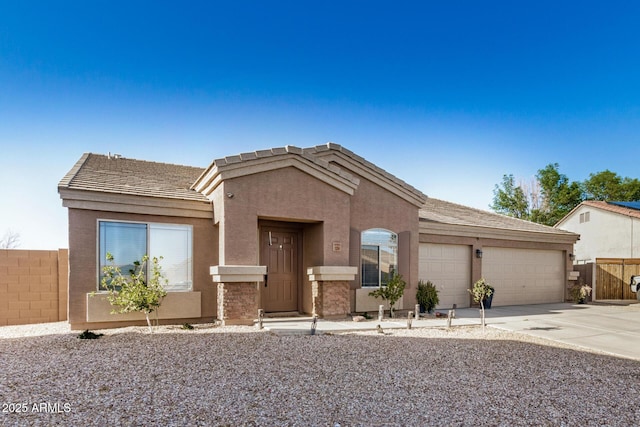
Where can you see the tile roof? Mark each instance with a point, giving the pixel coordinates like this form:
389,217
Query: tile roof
622,210
271,154
319,149
115,174
440,211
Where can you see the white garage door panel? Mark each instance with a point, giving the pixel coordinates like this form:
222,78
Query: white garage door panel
524,276
448,267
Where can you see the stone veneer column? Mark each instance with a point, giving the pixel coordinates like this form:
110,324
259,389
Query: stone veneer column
238,292
330,290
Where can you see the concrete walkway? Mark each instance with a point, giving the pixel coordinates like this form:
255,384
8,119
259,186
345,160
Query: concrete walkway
610,328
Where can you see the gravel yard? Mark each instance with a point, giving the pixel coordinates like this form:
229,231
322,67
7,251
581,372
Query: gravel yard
214,376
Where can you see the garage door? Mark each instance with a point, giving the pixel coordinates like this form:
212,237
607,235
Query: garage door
448,267
524,276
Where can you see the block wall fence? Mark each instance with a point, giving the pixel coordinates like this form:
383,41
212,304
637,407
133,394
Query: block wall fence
33,286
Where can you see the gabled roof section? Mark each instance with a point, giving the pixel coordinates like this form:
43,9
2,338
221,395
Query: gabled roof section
621,208
348,160
276,158
118,175
441,215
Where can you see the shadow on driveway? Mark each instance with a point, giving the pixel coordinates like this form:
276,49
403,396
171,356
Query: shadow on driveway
608,328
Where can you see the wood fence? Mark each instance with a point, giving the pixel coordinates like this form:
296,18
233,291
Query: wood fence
613,276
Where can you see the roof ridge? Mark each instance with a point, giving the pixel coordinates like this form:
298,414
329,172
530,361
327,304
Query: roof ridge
144,161
332,146
280,151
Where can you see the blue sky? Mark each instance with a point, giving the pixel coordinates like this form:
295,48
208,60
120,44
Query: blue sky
448,96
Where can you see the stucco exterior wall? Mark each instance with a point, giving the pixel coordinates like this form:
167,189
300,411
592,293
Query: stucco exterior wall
288,195
375,207
605,235
83,274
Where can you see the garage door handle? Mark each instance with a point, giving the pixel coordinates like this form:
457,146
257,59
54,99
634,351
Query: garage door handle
266,279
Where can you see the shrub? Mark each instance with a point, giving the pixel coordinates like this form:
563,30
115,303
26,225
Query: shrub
134,293
427,296
392,292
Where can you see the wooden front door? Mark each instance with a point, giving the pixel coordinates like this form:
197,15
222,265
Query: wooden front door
279,252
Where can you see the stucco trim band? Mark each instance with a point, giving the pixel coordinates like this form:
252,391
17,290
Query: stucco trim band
332,273
237,273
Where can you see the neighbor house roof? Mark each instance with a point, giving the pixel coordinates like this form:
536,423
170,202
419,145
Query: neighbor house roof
441,217
614,207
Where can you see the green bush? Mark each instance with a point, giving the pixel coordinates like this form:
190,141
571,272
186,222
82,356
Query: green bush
134,293
427,296
392,292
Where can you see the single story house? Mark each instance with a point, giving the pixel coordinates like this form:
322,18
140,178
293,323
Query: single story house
310,230
607,230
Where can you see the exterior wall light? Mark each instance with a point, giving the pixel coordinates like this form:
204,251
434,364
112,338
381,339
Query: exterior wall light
478,253
572,257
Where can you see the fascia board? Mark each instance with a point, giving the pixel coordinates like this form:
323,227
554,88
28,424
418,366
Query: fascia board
77,199
497,233
376,177
266,164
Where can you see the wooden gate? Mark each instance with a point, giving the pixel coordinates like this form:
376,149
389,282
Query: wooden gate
613,276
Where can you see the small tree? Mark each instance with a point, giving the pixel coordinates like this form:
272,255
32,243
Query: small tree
480,291
134,293
10,240
392,292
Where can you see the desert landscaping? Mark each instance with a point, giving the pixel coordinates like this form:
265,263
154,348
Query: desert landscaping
241,376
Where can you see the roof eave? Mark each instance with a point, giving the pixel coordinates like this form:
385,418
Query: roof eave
430,227
133,203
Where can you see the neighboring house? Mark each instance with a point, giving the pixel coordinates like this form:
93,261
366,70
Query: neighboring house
291,230
606,229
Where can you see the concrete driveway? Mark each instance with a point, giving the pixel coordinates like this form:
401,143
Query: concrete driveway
613,329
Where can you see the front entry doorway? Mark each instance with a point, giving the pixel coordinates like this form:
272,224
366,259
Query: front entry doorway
279,251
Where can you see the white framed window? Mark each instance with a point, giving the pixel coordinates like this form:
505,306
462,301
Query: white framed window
130,241
378,257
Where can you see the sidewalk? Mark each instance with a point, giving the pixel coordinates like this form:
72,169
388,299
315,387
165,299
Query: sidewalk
303,325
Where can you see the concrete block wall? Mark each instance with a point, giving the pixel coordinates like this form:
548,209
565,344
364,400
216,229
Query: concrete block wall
33,286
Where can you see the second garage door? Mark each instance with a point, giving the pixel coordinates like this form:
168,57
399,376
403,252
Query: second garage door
448,267
524,276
